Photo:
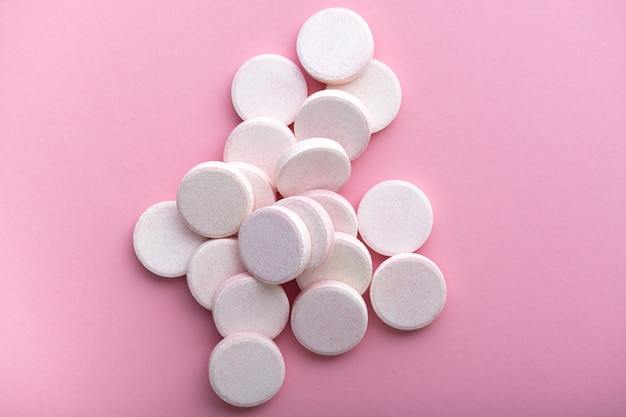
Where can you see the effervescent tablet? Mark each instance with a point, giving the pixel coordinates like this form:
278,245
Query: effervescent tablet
318,223
311,164
274,244
245,304
212,264
213,198
259,141
162,242
379,90
268,85
262,188
336,115
408,291
329,318
246,369
349,262
334,45
338,208
394,216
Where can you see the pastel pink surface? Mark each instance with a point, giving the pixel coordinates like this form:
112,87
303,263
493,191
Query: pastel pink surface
513,123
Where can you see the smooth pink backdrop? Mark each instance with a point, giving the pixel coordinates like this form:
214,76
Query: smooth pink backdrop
513,122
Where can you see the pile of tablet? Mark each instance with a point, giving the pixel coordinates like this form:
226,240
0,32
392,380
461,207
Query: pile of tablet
237,243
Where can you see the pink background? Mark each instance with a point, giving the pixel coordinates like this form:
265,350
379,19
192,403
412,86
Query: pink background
513,122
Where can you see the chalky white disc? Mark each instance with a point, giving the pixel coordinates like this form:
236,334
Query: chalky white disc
211,265
262,187
268,85
349,262
163,243
245,304
394,217
246,369
318,223
259,141
213,198
329,318
310,164
274,244
379,90
408,291
334,45
338,208
336,115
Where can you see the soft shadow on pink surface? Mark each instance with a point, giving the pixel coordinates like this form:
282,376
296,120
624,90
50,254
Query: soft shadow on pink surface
513,123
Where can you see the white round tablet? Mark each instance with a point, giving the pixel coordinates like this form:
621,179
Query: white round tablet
246,369
379,90
318,223
338,208
394,217
211,265
310,164
213,198
336,115
259,141
408,291
334,45
349,262
163,243
329,318
268,85
245,304
262,188
274,244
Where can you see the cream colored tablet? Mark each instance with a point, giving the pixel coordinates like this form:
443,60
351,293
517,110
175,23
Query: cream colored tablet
163,243
262,187
408,291
246,369
268,85
349,262
274,244
336,115
329,318
334,45
338,208
259,141
211,265
245,304
394,217
318,223
213,198
311,164
379,90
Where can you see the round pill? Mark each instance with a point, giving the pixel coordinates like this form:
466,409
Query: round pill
338,208
163,243
246,369
408,291
318,223
245,304
262,188
394,217
334,45
211,265
379,90
336,115
349,262
274,244
310,164
268,85
259,141
213,198
329,318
